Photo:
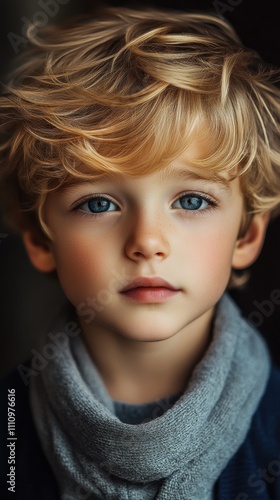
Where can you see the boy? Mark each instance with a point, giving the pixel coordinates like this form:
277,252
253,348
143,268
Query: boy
141,162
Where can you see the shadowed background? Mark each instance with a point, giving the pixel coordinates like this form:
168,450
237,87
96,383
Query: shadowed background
27,297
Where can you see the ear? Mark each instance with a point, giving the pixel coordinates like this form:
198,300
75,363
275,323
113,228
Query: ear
39,251
248,247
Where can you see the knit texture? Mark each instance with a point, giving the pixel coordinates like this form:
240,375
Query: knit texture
178,455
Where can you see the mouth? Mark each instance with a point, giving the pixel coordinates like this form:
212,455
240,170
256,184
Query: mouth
149,290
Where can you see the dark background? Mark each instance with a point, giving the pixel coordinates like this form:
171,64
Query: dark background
27,297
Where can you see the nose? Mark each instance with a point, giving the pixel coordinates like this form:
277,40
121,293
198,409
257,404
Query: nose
147,239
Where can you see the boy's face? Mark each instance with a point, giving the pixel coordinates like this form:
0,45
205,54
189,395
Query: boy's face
169,224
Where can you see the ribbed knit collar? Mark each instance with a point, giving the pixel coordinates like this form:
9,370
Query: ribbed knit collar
178,455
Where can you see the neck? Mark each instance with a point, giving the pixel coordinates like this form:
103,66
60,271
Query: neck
139,372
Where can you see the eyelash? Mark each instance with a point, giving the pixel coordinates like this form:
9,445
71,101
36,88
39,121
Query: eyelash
77,208
212,204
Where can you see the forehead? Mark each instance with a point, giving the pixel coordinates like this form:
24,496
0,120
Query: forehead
189,164
183,168
179,172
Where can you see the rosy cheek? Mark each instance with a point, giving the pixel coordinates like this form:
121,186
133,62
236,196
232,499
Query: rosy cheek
83,267
211,258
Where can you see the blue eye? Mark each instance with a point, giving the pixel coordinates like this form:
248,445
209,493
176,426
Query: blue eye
98,205
191,202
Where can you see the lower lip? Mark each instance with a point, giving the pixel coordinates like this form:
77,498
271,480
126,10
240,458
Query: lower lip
150,294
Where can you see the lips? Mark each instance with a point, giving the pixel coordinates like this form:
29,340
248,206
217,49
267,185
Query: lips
148,283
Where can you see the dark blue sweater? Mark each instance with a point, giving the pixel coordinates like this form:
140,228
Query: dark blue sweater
253,473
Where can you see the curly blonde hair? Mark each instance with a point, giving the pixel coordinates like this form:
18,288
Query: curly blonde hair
126,91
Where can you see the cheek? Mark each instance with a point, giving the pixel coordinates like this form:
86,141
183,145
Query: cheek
209,260
82,267
220,249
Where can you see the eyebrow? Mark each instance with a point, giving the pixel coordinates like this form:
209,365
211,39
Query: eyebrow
167,174
184,174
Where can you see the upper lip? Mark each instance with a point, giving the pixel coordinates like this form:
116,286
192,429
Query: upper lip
148,283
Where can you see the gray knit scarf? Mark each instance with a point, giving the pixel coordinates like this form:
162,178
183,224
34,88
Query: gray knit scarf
178,455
